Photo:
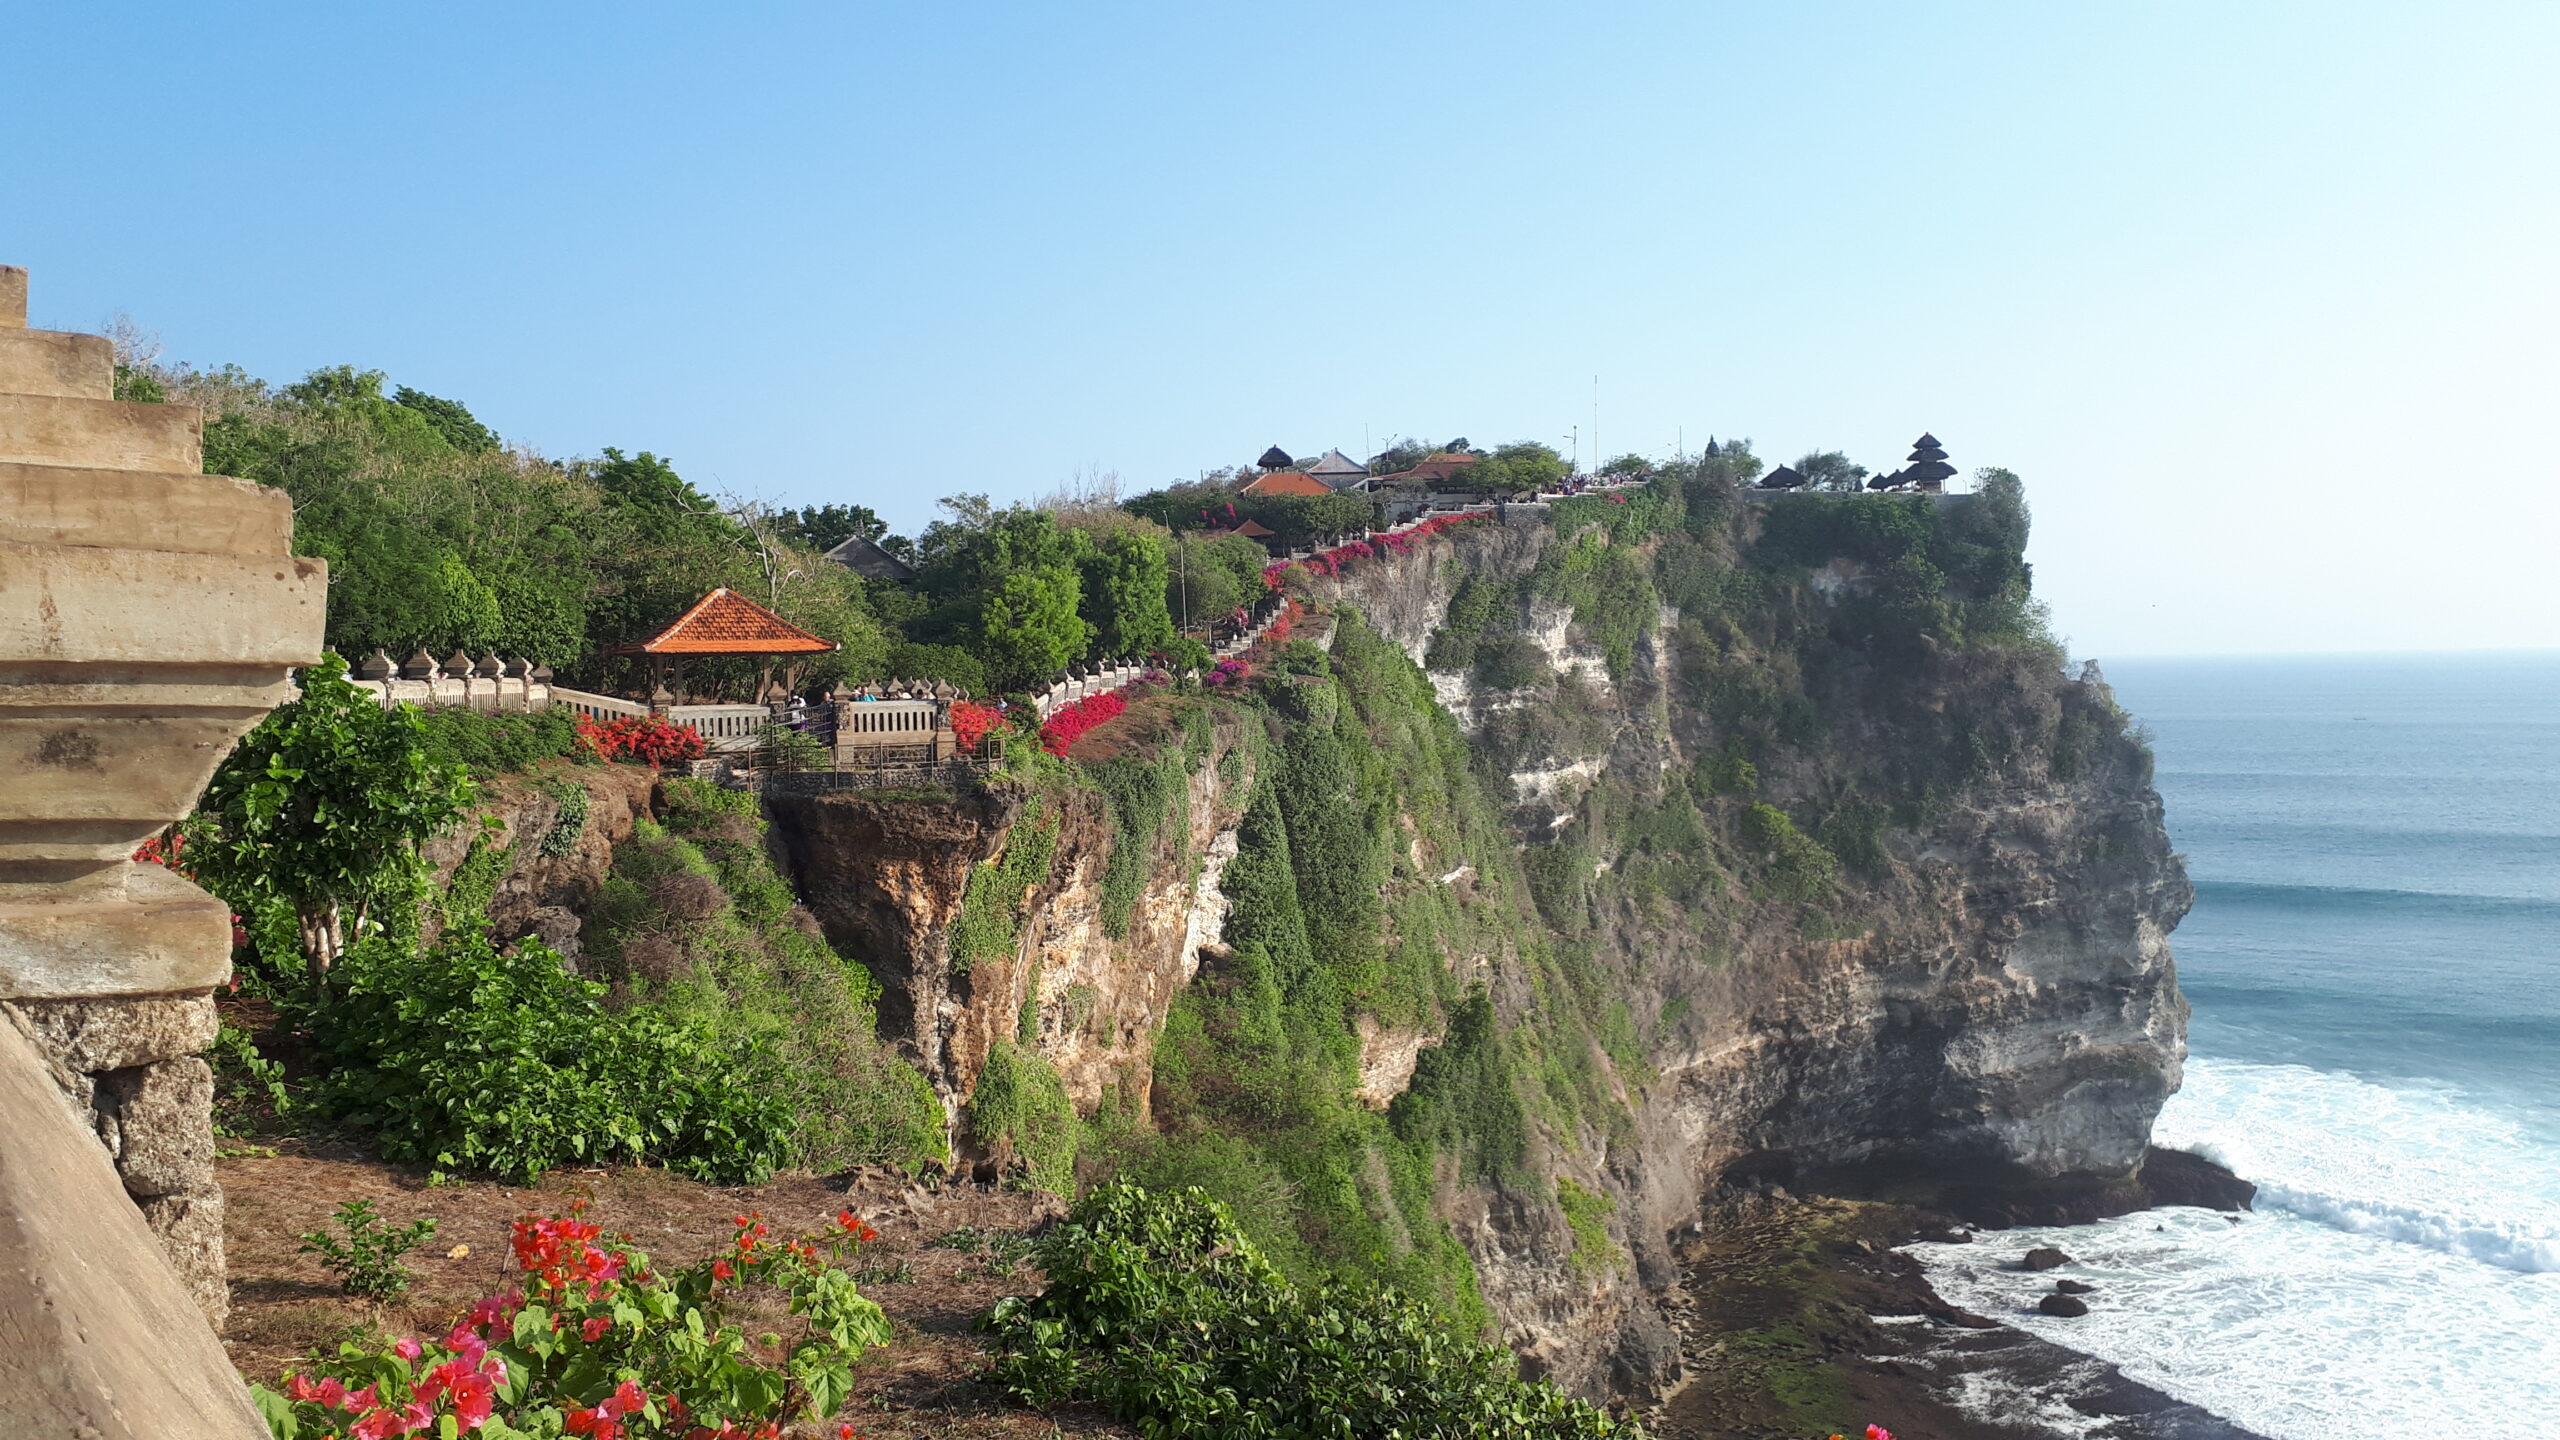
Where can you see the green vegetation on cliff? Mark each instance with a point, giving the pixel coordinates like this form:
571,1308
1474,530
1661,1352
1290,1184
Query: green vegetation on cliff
1161,1310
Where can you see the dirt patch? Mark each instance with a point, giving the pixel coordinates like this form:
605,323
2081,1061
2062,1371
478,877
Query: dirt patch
927,1382
1151,725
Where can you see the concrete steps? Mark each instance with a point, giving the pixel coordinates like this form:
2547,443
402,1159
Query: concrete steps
100,434
58,363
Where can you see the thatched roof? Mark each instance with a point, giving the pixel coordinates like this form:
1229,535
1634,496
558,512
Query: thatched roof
1785,477
1926,441
1887,482
1931,470
1928,452
1275,458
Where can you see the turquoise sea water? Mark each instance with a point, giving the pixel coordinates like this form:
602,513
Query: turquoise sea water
2374,962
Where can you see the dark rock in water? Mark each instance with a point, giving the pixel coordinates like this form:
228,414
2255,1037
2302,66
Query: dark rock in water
2066,1306
2073,1287
2174,1177
2043,1257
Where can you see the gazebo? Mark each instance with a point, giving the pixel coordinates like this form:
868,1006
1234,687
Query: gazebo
725,623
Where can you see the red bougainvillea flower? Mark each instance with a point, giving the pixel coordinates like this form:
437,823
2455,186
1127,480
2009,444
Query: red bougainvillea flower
1069,725
971,724
721,1270
594,1329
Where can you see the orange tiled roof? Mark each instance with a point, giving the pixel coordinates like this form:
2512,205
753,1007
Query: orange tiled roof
726,623
1252,530
1288,482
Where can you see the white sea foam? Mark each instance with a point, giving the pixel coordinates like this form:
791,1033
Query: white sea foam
2425,1167
2400,1279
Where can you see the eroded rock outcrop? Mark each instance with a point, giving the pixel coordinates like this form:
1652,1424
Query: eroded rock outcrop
888,879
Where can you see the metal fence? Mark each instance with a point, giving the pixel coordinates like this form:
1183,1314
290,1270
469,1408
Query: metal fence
961,775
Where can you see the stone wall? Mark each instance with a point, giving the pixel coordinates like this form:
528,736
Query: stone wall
149,614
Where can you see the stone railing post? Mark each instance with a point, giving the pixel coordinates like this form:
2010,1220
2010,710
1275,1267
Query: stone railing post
149,614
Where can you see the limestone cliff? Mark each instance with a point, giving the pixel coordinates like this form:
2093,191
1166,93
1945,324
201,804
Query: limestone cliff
1986,1016
1850,886
889,880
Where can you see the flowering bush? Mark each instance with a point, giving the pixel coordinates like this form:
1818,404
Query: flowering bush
971,723
649,739
598,1344
1069,725
1228,672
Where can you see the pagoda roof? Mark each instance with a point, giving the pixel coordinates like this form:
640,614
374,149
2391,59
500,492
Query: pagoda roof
727,623
1288,482
1926,441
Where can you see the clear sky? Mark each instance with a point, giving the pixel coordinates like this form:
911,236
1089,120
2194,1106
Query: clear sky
2260,299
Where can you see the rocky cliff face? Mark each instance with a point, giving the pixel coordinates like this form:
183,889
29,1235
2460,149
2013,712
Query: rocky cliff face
1979,1010
1988,1017
890,881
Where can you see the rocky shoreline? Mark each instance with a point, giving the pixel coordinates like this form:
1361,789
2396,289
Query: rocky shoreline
1800,1316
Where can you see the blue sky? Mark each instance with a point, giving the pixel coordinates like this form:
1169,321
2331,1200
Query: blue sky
2260,299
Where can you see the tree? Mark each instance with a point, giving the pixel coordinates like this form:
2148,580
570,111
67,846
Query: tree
1028,627
1124,588
1831,470
448,418
823,528
1518,469
1188,504
324,806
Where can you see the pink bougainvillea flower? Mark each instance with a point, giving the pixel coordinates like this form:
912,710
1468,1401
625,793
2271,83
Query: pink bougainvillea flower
408,1349
594,1329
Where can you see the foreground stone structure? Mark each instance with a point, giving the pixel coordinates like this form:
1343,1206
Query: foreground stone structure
148,617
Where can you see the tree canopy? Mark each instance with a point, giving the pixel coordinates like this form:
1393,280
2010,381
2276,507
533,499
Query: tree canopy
323,806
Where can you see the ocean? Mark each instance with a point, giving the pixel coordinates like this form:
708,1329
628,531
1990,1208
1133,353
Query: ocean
2374,962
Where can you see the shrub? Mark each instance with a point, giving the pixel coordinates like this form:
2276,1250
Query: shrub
1587,1213
1020,1106
599,1343
1159,1309
569,823
971,723
697,926
647,739
782,747
1068,726
499,744
1797,867
367,1262
473,1061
